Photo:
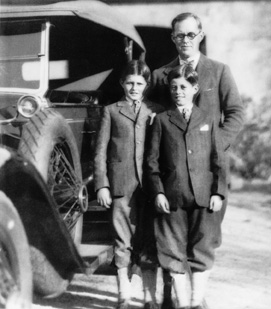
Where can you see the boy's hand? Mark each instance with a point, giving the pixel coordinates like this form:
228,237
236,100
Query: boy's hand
104,197
161,203
216,203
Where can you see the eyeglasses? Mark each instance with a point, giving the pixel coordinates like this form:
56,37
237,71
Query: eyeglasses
181,36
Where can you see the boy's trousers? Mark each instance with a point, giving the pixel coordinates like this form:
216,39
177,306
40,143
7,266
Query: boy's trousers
125,217
188,235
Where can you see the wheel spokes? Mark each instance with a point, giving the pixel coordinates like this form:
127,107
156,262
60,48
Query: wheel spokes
65,186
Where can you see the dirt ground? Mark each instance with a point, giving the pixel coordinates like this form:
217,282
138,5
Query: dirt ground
241,278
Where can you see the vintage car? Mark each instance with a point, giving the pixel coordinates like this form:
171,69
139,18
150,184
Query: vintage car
59,65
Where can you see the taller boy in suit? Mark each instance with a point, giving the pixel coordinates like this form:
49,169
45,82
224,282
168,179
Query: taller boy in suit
118,169
187,179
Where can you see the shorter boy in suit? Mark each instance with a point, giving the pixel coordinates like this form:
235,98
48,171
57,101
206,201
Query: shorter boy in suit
187,179
118,169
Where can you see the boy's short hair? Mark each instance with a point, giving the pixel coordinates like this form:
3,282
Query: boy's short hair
186,71
136,67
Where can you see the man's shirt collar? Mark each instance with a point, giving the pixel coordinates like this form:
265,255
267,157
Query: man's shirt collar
194,59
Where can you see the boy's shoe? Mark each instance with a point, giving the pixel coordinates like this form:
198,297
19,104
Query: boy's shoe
151,305
201,306
123,304
167,304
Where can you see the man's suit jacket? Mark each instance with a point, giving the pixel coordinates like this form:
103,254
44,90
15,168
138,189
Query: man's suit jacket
177,150
120,145
218,95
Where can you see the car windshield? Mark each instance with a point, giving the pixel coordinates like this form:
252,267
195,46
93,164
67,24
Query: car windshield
20,54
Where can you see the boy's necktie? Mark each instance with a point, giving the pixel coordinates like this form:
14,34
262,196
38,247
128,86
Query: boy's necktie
137,105
186,114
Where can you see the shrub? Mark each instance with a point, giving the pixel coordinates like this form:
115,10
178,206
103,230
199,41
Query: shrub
251,155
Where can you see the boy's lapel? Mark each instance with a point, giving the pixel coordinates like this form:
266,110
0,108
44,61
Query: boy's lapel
144,110
196,117
126,110
176,118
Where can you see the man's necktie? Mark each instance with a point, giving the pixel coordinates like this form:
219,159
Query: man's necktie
191,63
186,114
137,105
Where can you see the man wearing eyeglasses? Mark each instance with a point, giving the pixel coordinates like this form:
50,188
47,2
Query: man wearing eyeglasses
219,97
218,94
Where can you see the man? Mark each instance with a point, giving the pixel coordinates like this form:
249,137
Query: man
218,95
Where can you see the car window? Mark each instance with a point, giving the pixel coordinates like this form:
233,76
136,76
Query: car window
20,54
83,55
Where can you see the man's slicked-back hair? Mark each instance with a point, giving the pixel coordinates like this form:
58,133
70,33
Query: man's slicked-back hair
136,67
183,16
186,71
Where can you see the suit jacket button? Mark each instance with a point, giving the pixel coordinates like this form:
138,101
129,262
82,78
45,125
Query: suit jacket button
189,151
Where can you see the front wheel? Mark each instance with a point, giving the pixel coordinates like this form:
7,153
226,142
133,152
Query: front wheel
15,265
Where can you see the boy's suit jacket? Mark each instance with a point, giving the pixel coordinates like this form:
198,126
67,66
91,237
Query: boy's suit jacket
169,148
120,145
218,95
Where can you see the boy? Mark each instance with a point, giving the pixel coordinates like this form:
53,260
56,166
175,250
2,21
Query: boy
118,169
187,179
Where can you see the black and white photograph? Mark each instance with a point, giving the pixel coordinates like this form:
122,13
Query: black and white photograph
135,154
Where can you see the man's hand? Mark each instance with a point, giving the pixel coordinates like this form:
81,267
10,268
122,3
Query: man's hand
104,197
161,203
216,203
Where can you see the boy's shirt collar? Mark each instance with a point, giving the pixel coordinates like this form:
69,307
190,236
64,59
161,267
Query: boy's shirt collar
189,107
131,102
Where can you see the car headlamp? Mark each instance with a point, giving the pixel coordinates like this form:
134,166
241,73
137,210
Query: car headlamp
28,106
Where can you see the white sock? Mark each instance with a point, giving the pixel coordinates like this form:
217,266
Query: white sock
181,289
124,283
199,284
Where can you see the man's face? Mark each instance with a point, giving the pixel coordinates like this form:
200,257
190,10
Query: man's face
187,47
